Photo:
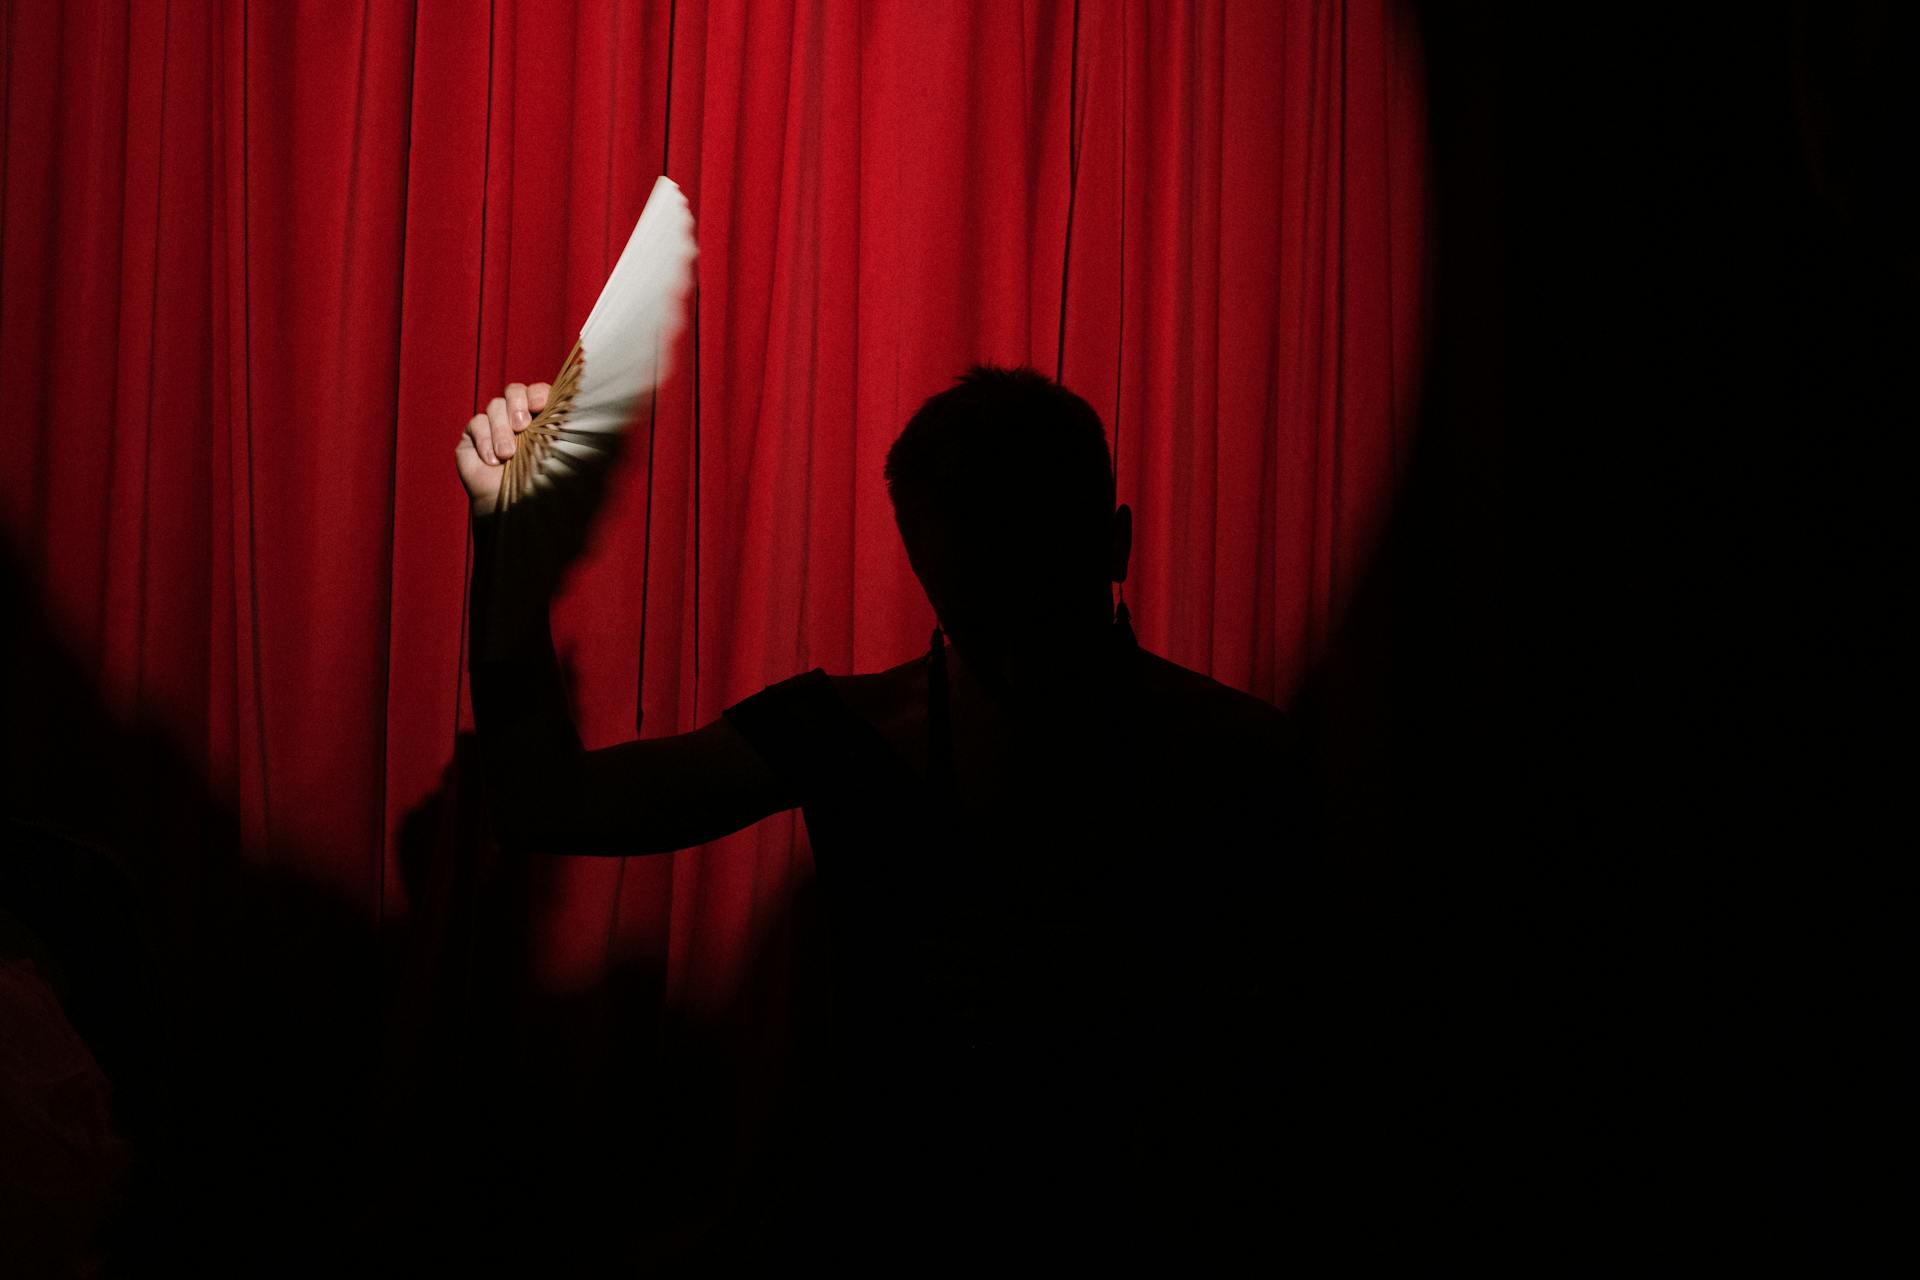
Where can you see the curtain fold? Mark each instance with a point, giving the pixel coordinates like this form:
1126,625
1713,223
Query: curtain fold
262,261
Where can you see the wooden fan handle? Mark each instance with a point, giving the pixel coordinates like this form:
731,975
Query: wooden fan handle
536,442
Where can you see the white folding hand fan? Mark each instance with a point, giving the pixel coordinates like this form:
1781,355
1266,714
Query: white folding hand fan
622,353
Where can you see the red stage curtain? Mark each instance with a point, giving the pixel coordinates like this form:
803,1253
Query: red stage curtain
261,262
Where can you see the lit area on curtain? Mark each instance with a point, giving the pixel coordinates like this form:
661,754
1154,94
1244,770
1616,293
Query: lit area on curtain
252,292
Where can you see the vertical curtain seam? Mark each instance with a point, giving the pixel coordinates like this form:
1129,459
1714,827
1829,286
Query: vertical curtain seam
42,463
653,418
246,335
671,889
646,531
6,131
1335,560
103,656
1120,298
393,474
348,242
1266,502
1073,188
1316,115
1219,63
220,334
696,500
153,343
479,318
606,247
1389,82
808,132
853,380
1195,88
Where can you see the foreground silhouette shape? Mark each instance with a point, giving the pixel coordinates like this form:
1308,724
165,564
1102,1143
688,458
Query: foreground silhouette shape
1049,861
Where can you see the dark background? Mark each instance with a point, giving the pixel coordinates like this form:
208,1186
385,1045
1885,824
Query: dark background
1675,336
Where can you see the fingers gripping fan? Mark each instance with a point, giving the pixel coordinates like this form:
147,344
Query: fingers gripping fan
561,460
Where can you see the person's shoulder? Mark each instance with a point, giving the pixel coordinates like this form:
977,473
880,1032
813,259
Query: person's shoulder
892,701
874,696
1172,682
795,691
880,695
1197,697
803,723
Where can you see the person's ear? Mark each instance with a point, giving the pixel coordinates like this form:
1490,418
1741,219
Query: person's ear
1122,540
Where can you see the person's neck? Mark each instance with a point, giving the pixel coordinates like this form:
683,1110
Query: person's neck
1072,684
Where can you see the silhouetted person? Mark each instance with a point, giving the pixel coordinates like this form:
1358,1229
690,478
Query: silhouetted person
1049,859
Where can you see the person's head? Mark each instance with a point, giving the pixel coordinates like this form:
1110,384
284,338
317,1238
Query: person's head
1003,490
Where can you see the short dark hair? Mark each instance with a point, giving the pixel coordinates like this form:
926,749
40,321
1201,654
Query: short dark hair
1008,448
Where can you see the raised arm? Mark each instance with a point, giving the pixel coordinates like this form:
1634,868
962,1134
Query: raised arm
546,793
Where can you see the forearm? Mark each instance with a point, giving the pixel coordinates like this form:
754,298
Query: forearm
528,743
545,792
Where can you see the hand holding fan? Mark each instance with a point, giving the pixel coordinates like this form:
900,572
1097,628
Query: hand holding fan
623,352
552,482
